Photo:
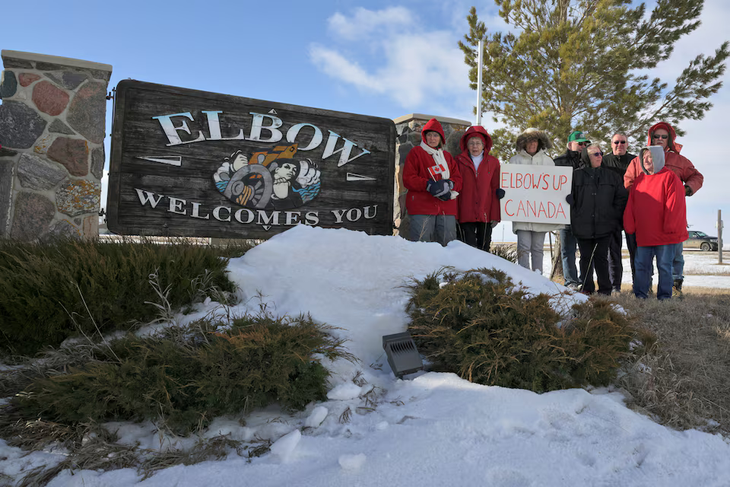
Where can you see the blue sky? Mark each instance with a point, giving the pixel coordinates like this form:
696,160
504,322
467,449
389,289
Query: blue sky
374,58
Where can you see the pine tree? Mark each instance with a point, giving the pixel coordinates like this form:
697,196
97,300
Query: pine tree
582,64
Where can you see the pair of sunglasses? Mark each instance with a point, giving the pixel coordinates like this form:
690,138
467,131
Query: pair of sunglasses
663,137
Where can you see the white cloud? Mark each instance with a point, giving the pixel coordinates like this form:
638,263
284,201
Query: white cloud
414,67
337,66
366,22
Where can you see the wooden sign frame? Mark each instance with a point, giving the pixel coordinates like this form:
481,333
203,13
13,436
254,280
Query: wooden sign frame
193,163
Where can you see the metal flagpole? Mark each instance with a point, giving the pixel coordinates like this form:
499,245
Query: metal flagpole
479,82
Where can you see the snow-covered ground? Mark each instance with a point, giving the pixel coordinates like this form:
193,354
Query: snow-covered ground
701,269
431,429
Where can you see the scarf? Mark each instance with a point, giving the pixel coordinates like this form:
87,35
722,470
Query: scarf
442,167
439,159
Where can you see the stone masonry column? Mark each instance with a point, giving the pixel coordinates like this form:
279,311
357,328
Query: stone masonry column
52,128
408,131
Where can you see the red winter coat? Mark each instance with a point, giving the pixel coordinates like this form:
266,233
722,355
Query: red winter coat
478,197
656,211
416,176
680,165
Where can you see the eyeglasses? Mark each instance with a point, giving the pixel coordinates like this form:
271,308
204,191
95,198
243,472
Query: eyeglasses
475,143
656,136
617,142
582,144
596,154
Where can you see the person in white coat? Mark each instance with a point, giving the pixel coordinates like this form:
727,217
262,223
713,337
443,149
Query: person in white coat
531,146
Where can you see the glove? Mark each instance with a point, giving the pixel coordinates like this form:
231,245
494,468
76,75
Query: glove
688,191
450,183
493,223
569,199
439,189
500,193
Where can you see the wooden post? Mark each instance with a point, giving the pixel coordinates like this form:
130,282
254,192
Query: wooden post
719,236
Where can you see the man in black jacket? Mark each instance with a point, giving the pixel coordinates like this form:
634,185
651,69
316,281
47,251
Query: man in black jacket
618,161
598,202
568,244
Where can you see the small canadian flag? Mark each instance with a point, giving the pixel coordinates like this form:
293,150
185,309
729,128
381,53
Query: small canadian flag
438,169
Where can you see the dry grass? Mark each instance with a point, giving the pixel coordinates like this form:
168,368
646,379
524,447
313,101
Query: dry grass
682,379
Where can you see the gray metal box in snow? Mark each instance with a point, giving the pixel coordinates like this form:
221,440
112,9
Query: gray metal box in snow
402,354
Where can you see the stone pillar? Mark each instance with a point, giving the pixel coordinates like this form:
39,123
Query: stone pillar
52,128
408,131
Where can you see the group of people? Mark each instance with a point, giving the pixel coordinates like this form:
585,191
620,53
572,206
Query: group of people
643,195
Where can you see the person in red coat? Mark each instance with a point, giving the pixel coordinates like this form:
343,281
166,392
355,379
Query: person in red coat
433,181
657,215
663,135
478,203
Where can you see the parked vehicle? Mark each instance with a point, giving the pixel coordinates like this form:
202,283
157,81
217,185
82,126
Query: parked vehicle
700,240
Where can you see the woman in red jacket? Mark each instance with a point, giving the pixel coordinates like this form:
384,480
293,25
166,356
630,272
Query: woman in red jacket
657,214
432,179
478,203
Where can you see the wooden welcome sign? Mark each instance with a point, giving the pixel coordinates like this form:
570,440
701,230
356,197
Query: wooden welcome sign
193,163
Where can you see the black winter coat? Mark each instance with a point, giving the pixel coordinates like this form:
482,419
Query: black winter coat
570,158
599,199
618,164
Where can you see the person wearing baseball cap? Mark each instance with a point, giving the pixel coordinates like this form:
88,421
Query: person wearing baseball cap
568,243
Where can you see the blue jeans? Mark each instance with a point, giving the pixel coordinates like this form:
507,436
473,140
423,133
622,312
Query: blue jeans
678,262
631,244
644,256
568,244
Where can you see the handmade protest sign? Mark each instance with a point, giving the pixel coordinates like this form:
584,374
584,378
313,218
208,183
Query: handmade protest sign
535,193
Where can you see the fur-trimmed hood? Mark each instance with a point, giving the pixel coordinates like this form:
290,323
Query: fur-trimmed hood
543,140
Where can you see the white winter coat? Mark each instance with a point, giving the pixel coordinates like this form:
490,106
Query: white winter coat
539,159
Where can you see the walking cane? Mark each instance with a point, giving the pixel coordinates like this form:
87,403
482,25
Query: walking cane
590,262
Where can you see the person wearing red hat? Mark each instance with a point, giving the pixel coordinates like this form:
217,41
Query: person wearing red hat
433,181
663,135
477,202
